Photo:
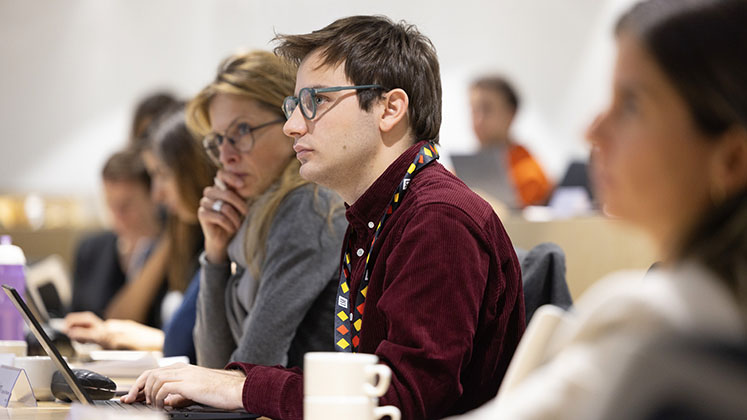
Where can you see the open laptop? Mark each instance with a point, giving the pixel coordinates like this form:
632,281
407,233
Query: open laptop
487,172
48,285
192,412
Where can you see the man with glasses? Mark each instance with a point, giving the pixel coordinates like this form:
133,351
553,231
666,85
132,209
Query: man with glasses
429,281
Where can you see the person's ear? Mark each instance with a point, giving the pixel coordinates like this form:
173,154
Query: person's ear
729,165
395,103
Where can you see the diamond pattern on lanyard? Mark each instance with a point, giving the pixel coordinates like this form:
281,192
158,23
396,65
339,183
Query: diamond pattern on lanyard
349,318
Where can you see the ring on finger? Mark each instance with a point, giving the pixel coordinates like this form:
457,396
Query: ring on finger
217,205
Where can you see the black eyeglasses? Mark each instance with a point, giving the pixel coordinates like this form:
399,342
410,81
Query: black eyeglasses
308,100
239,135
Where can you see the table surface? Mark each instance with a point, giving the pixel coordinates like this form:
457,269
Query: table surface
46,410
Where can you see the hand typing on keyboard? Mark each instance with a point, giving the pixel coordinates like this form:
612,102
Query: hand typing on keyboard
180,385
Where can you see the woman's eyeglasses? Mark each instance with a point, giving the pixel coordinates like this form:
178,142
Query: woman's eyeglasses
240,135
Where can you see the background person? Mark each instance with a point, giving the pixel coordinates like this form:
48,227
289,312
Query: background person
494,105
106,261
147,112
180,170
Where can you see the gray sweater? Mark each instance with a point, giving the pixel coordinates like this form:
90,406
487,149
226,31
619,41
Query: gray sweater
275,319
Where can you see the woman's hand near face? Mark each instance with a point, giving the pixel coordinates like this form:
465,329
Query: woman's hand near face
220,223
179,385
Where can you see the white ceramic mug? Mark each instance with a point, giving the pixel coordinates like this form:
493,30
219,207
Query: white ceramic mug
39,370
337,374
346,408
19,348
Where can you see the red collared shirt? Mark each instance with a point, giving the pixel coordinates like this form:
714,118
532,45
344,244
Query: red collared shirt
444,307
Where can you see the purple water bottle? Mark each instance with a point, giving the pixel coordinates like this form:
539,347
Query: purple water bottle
12,273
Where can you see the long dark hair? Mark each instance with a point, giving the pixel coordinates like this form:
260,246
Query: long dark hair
147,112
174,144
701,45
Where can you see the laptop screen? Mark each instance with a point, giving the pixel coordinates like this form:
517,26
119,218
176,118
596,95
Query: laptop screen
488,173
47,344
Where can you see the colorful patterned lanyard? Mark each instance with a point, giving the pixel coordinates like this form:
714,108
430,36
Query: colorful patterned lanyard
344,315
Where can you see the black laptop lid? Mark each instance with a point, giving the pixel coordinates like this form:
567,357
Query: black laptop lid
46,343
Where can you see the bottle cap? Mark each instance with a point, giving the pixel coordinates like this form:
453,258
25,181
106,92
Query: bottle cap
10,254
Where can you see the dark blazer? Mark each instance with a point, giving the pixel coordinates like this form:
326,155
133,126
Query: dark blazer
98,276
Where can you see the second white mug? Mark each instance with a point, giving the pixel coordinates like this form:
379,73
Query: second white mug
346,408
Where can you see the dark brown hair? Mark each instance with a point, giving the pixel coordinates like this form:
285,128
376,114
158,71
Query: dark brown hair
376,50
701,45
174,145
500,85
126,165
147,112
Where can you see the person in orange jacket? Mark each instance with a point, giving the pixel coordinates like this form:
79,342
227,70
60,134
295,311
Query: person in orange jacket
494,104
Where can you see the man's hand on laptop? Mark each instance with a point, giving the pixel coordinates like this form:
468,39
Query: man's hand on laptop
180,385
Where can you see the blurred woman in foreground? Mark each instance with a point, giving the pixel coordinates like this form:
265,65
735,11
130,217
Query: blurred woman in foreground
671,156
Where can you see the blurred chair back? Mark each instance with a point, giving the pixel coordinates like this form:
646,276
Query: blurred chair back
543,277
531,351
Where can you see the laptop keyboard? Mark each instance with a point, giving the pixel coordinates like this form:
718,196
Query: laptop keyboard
141,406
123,406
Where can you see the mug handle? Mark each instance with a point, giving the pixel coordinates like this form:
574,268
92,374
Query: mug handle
385,377
387,410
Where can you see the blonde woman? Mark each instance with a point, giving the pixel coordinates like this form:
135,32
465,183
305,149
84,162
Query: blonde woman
272,240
